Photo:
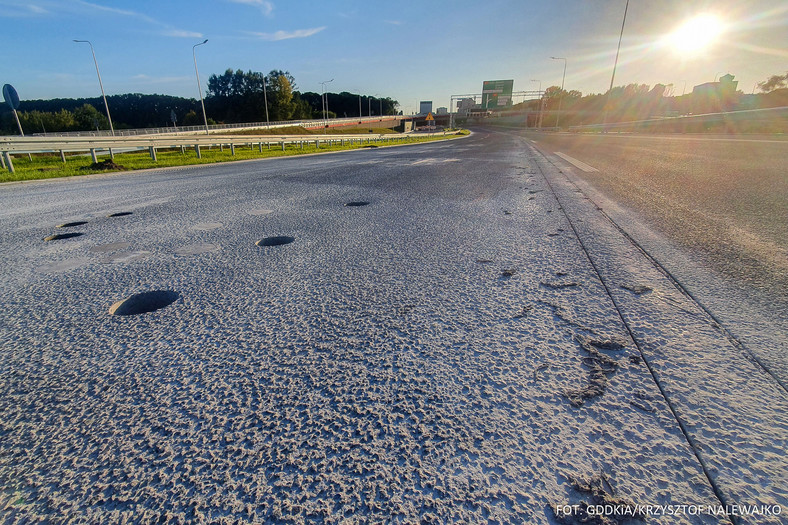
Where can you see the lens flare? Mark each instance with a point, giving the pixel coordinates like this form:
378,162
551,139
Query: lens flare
696,34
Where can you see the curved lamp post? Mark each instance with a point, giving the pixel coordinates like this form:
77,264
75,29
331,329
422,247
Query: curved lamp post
199,87
101,85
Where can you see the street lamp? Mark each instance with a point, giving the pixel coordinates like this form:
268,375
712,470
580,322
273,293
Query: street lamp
199,86
615,64
380,100
324,98
265,99
561,99
541,101
111,129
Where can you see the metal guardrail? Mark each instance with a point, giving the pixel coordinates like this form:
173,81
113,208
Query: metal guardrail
706,118
313,123
106,144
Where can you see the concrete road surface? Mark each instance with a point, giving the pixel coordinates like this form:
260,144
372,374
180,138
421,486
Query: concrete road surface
459,332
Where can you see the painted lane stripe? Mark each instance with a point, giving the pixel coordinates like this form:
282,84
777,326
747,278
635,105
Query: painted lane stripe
578,164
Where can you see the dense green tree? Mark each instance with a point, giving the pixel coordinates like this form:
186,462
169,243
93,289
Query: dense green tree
238,96
282,105
88,117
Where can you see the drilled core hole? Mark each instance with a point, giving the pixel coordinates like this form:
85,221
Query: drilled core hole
357,203
59,236
275,241
71,224
145,302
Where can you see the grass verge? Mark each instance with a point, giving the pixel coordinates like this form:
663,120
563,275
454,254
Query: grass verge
49,166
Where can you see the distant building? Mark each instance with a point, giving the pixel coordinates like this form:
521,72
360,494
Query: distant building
713,97
442,111
425,106
465,106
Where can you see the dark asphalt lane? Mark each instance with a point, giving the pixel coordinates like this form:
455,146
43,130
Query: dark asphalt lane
725,198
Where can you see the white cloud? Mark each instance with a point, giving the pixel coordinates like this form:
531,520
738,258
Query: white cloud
284,35
180,33
394,22
22,9
116,11
264,5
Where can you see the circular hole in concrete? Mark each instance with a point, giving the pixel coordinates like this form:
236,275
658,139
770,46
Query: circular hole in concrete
143,303
356,203
275,241
71,224
59,236
120,214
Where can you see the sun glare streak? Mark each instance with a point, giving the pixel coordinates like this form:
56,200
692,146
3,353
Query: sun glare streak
696,34
761,50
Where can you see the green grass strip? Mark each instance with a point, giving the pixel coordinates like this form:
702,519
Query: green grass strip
50,165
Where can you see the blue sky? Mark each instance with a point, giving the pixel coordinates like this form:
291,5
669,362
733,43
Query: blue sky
407,50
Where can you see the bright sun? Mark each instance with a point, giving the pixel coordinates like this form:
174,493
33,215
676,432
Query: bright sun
696,34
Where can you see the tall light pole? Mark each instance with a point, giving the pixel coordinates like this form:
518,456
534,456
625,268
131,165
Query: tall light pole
101,85
325,103
265,99
380,105
541,96
615,64
199,86
561,99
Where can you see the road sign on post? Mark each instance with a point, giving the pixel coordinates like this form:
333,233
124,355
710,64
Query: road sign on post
497,94
10,96
12,99
430,121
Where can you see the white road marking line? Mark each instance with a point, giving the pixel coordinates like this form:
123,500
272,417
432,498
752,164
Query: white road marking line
430,161
578,164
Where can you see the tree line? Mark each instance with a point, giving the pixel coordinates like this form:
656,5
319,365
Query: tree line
232,97
238,96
